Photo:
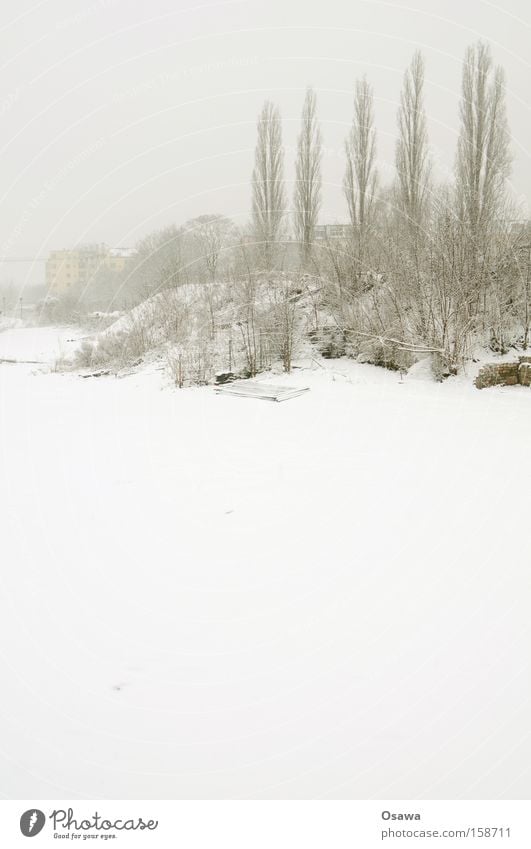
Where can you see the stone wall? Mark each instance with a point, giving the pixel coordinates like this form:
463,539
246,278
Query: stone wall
505,374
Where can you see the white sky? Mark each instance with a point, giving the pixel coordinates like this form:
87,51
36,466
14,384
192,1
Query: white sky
120,116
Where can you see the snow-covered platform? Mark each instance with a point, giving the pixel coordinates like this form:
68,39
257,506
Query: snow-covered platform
264,391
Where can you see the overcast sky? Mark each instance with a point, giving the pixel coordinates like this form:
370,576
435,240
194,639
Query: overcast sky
121,116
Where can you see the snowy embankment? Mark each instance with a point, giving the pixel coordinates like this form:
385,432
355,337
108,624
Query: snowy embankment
38,345
208,596
9,323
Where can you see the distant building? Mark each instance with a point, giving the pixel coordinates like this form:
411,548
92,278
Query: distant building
118,257
331,231
78,266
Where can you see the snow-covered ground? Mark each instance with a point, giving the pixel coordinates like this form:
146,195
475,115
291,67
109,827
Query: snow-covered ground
207,596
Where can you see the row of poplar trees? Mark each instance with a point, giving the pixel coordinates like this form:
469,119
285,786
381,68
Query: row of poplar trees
443,251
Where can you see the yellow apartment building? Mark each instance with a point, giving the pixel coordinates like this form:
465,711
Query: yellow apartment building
77,267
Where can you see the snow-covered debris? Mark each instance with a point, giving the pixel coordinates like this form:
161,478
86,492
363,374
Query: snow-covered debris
261,391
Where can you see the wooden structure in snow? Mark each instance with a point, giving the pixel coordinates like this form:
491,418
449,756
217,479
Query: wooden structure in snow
263,391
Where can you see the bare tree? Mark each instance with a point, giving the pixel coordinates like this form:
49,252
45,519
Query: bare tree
268,182
483,160
247,322
412,157
361,176
158,264
482,167
283,318
522,255
307,194
211,235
